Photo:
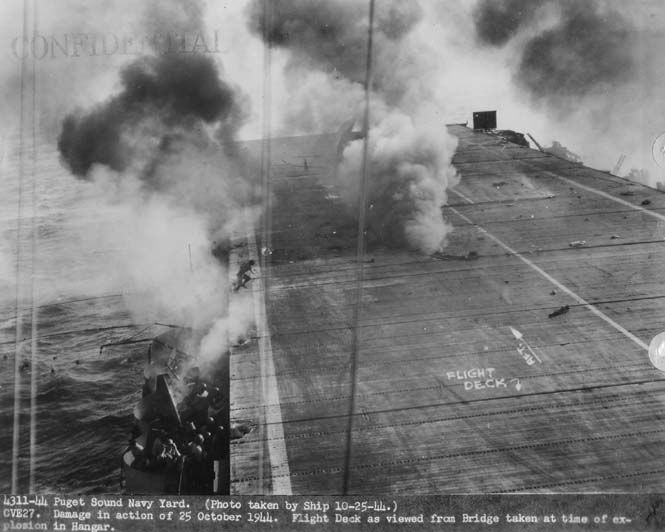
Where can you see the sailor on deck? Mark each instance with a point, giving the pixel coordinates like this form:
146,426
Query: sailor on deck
246,268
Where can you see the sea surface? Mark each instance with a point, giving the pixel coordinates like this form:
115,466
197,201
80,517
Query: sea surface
54,271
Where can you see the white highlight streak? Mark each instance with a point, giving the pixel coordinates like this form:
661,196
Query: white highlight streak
279,462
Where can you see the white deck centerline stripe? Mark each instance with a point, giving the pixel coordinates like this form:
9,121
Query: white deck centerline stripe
551,279
279,462
464,197
604,194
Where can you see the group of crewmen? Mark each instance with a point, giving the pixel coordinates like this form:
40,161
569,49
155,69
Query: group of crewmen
198,439
187,450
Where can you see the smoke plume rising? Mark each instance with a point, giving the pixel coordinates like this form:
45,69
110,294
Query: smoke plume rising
326,45
497,21
163,147
588,49
161,95
332,36
586,68
158,130
407,186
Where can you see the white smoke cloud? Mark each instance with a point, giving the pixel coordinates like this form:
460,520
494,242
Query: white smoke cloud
229,329
135,239
162,257
409,174
319,103
410,149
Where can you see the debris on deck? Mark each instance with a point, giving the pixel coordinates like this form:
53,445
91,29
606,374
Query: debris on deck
559,311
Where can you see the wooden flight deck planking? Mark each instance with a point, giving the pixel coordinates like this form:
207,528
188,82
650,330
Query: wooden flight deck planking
588,418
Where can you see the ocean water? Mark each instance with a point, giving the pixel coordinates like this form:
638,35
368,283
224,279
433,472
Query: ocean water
83,400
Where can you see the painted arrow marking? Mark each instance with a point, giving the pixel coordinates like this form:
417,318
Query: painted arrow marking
520,338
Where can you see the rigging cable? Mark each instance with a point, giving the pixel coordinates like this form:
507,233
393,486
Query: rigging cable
266,227
19,221
34,375
360,254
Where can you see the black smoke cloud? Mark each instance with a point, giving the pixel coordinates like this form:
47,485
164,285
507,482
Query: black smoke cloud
409,155
332,35
161,150
171,92
497,21
589,49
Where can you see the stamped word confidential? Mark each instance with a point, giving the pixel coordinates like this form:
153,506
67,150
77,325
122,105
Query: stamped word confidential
72,45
